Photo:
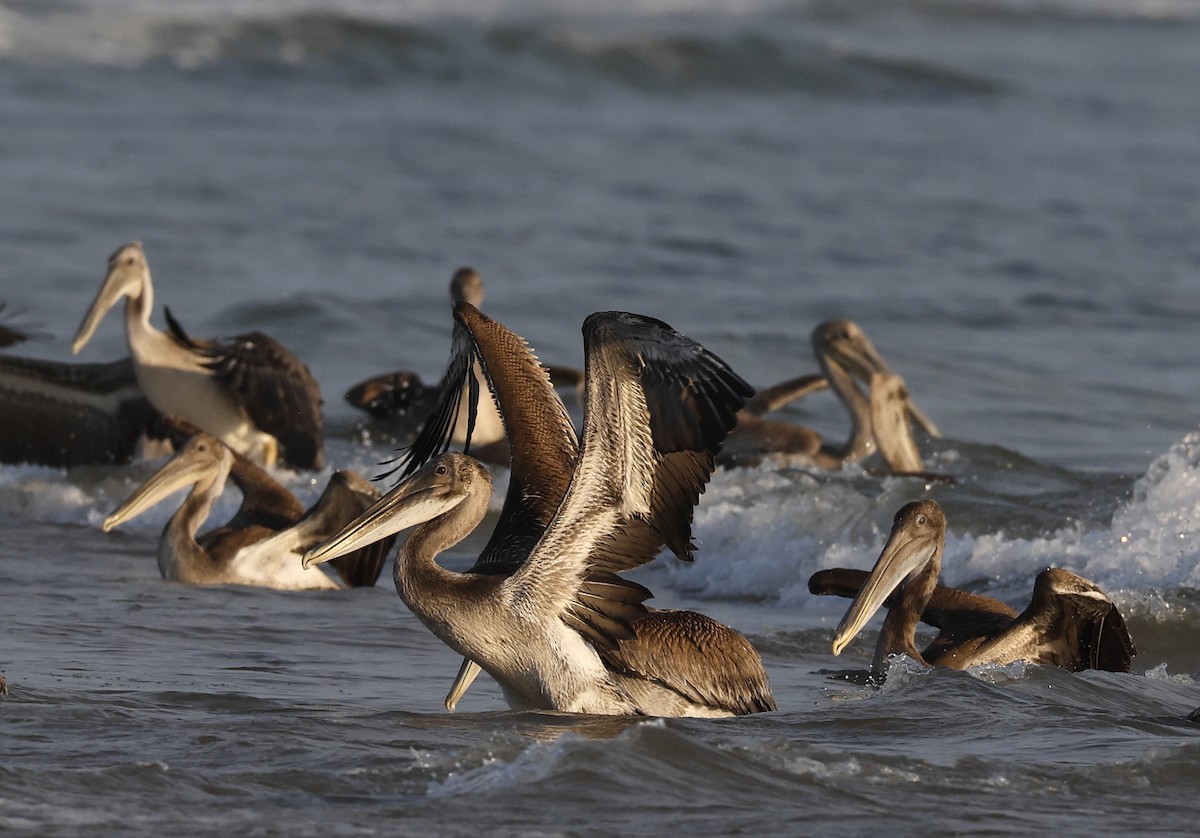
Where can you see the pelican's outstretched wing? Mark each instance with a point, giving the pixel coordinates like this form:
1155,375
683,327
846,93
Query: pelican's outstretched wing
273,386
657,407
1072,623
541,438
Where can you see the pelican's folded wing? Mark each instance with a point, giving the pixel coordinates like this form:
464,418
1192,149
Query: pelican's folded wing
702,660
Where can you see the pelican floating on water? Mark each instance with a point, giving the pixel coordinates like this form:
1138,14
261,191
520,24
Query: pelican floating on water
544,610
403,395
879,418
58,414
262,544
1069,621
249,391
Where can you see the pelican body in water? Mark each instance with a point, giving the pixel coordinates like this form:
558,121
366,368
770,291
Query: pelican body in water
58,414
879,418
1069,621
403,395
263,543
249,391
544,610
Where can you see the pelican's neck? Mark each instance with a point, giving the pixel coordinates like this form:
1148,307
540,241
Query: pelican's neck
138,307
424,585
180,556
899,633
861,443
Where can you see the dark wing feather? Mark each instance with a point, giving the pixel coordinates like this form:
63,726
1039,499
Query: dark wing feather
691,398
700,659
278,393
438,427
273,386
176,330
1110,647
346,496
657,407
606,608
61,414
541,438
1079,624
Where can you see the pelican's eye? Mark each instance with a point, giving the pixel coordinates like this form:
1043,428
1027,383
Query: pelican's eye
441,470
920,520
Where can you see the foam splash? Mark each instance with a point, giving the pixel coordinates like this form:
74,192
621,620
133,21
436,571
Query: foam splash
535,763
1153,541
764,532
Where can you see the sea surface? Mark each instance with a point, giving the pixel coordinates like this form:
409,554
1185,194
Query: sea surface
1005,194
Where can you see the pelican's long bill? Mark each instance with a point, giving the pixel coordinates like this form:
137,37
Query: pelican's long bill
182,471
467,673
905,551
420,498
122,280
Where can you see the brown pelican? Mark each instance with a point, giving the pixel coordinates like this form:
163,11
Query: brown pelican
403,395
262,544
1069,621
544,610
249,391
879,418
58,414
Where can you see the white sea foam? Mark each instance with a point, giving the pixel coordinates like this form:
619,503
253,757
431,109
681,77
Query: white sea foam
537,762
764,532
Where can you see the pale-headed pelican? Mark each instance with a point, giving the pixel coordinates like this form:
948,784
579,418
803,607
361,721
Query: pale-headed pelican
263,543
249,390
544,610
1069,621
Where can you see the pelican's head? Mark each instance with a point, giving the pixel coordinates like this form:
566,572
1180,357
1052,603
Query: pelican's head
203,458
918,533
843,342
432,491
467,286
128,276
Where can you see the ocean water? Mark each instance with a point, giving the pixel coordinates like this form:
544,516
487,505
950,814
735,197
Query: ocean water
1004,194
